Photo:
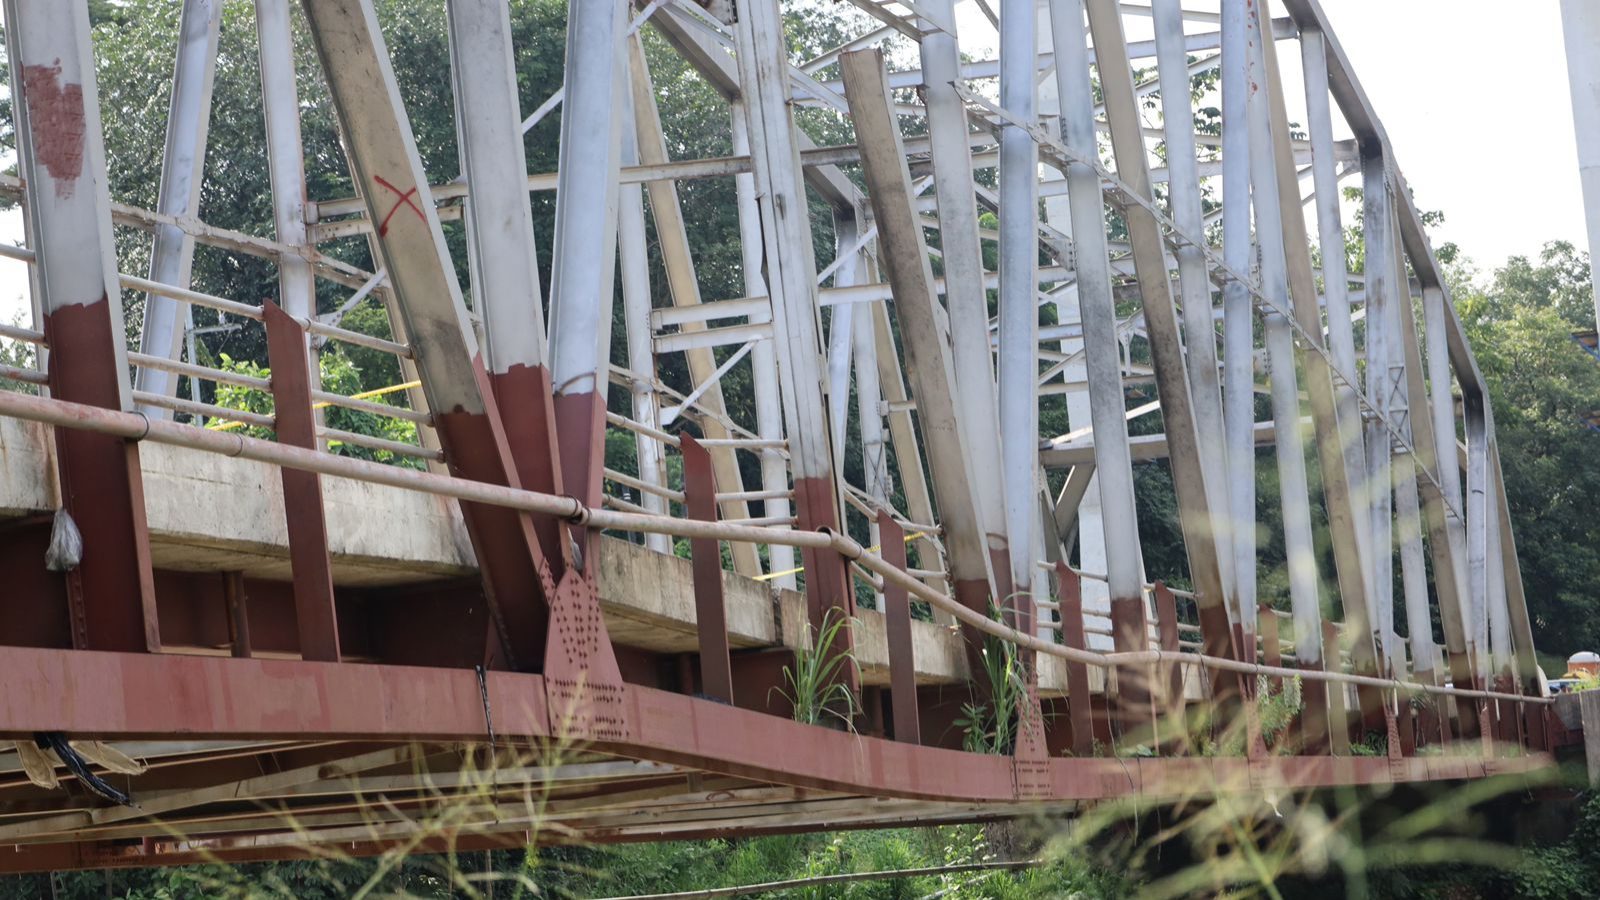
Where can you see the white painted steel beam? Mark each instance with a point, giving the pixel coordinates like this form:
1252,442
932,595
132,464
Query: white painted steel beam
1019,310
182,166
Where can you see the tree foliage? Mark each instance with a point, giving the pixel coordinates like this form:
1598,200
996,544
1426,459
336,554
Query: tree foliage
1544,387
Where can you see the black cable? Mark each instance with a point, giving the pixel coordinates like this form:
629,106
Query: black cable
57,741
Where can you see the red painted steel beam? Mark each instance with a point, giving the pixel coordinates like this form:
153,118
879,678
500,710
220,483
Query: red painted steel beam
1167,629
296,424
1069,594
170,695
711,615
26,858
111,592
237,602
387,169
897,626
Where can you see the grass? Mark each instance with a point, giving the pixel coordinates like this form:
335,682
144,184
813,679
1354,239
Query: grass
815,685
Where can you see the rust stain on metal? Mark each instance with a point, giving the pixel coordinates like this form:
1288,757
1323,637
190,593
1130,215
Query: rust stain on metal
55,116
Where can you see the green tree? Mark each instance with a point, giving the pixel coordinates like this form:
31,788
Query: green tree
1544,388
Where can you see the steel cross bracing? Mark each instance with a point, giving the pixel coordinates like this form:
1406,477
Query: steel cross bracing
377,624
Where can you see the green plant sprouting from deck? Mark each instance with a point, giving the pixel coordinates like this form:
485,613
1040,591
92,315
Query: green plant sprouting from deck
991,726
815,685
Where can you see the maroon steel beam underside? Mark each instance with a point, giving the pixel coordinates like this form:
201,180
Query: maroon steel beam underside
164,696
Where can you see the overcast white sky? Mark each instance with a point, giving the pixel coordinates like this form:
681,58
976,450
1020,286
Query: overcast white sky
1473,94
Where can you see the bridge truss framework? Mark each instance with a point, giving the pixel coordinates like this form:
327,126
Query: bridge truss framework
526,717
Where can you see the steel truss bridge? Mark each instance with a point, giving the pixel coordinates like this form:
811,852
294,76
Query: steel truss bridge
273,649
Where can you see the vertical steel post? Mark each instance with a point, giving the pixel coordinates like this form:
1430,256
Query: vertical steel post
61,150
1295,494
1195,494
1436,440
1335,275
635,270
280,105
1200,331
711,617
1238,313
684,286
1344,524
897,627
500,244
295,424
584,255
1019,285
1113,467
1069,594
763,357
847,229
966,297
790,267
183,163
237,605
1382,272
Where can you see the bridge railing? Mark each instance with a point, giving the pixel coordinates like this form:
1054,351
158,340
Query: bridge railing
1518,720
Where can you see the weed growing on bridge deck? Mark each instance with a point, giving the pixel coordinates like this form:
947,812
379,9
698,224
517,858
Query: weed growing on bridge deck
817,688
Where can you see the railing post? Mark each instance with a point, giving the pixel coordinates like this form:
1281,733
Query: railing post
1172,673
711,619
296,426
897,625
234,597
1271,649
1338,716
1406,721
1080,710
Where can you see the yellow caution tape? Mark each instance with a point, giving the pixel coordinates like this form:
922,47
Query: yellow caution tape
221,425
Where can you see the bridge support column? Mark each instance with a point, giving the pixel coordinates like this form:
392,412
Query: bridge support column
501,249
388,172
183,165
111,591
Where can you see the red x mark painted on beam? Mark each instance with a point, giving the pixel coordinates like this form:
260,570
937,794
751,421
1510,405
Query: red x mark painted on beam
405,200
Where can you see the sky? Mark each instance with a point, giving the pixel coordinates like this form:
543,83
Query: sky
1474,97
1473,94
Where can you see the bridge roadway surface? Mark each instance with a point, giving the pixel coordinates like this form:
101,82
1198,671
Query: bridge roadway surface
272,757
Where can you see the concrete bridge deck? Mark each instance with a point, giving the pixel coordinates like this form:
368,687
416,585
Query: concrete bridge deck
210,514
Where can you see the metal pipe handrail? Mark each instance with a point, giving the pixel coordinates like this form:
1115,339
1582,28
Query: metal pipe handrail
746,496
744,443
323,329
222,304
18,333
24,375
206,373
210,410
628,424
367,406
641,485
763,521
136,426
374,443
